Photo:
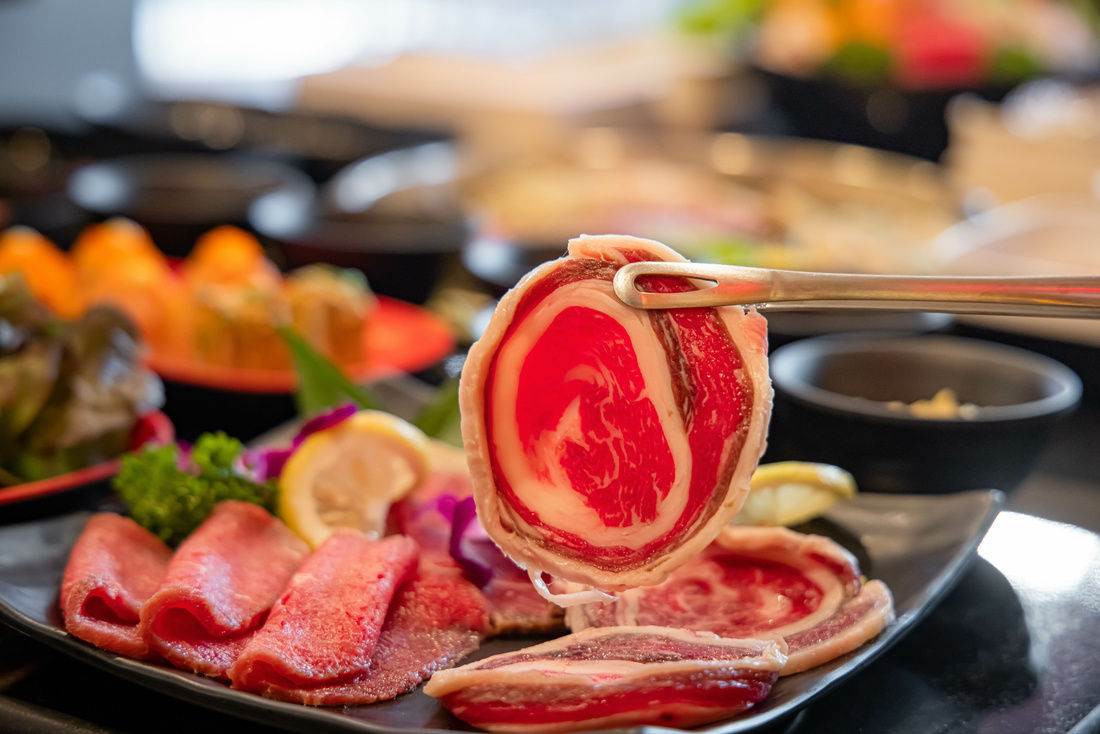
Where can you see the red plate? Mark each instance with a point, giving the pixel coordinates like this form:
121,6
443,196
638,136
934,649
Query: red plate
150,428
401,337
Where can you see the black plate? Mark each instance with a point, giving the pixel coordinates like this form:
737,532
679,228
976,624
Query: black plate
918,545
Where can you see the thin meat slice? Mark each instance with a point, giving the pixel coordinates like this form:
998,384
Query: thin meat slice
858,620
756,582
436,619
616,676
750,580
219,587
514,604
113,569
322,633
607,445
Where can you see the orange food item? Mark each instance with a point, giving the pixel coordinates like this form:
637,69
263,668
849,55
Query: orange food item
225,302
867,21
235,326
101,248
330,307
143,288
118,263
796,34
236,301
48,271
230,256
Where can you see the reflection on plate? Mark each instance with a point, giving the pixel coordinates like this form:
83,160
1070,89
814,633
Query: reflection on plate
1047,235
400,337
152,428
919,545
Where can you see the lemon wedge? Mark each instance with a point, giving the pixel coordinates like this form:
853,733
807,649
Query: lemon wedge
347,476
790,492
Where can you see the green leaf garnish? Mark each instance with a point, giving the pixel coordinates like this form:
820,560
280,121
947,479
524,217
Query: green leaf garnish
321,384
440,418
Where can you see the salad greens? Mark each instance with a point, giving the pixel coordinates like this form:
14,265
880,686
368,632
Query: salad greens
70,391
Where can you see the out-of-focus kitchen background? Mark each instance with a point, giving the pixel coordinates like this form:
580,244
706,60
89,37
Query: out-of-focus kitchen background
194,161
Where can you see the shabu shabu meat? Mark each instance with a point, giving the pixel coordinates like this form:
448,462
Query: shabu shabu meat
608,445
615,676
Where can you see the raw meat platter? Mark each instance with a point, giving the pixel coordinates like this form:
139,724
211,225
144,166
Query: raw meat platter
918,545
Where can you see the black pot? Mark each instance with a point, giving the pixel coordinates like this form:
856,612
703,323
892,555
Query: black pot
830,406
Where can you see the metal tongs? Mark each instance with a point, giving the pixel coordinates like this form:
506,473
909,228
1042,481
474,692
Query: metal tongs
790,290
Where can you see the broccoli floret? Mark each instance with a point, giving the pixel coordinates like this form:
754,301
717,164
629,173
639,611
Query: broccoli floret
171,501
215,453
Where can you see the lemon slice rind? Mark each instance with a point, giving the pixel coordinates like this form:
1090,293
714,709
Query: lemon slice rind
348,475
793,492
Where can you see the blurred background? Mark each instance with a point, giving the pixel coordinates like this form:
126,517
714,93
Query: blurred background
180,180
377,173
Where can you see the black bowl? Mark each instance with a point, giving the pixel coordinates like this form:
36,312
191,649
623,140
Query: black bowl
179,196
883,116
395,217
831,405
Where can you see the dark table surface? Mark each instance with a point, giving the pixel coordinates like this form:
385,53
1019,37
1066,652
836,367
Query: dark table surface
1014,648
